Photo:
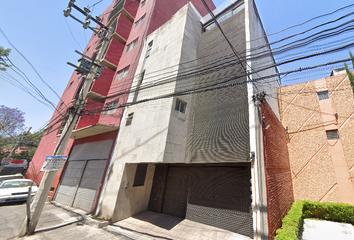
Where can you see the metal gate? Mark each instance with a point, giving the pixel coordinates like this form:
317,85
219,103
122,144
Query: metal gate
216,196
83,175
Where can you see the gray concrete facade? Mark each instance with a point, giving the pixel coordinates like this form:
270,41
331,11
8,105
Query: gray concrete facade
157,133
220,125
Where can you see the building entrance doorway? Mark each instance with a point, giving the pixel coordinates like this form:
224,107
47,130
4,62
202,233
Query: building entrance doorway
216,196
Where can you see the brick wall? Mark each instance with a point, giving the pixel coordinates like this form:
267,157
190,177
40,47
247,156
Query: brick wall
277,167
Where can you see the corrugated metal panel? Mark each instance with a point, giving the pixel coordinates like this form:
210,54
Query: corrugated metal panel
221,197
219,127
216,196
176,192
94,150
70,180
90,183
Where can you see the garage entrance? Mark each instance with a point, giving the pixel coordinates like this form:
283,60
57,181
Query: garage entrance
83,175
216,196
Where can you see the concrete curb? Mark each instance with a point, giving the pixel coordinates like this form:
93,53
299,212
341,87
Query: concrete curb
126,233
95,223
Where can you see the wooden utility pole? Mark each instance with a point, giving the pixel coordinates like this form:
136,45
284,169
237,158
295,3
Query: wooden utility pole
29,225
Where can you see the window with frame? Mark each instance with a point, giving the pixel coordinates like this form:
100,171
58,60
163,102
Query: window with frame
129,119
122,73
180,106
140,175
322,95
131,45
137,23
110,108
147,55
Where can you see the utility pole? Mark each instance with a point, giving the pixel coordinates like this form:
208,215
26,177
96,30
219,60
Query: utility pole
14,148
29,225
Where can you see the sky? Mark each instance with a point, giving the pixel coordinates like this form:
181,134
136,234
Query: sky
41,33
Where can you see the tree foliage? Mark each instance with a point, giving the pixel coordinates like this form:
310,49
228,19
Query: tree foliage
4,52
350,74
11,121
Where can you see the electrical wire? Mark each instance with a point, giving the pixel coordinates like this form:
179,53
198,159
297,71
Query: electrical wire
2,32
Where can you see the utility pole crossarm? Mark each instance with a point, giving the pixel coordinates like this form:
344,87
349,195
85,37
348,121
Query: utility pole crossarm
28,227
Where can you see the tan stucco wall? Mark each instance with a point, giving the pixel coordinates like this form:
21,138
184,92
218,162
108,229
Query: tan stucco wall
321,169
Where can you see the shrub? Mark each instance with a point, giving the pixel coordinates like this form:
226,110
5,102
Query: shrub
291,223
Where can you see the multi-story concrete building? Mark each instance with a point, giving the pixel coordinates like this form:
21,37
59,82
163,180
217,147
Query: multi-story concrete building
319,118
196,136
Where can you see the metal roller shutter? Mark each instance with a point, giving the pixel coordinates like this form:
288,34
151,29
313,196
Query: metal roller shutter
83,174
176,192
89,184
93,150
221,197
70,180
216,196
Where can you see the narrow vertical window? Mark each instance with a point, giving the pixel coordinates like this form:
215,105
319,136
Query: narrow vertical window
140,175
147,55
61,105
129,119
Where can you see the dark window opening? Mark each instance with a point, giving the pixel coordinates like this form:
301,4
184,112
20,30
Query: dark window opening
71,84
322,95
332,134
140,175
180,106
129,119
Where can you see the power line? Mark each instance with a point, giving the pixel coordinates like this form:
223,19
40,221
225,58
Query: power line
73,34
2,32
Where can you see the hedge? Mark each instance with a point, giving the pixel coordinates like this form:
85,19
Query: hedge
291,223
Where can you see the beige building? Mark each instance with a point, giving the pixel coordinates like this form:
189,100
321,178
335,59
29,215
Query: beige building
319,118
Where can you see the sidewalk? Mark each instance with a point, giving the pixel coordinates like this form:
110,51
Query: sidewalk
55,223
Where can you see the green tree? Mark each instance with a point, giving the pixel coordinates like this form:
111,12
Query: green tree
350,74
4,52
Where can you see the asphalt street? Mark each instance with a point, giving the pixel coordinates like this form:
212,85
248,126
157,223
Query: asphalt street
55,223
